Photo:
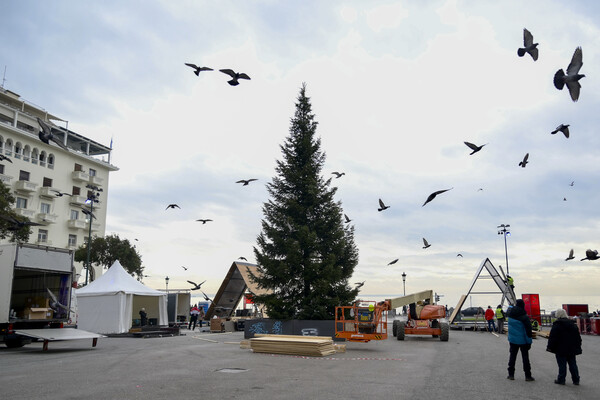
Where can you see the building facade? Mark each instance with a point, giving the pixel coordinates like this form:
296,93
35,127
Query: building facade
50,184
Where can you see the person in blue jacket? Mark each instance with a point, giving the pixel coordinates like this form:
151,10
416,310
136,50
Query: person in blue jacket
519,338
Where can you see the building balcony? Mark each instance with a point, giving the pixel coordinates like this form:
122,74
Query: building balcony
80,176
5,179
46,218
76,224
26,186
46,191
78,200
25,212
44,242
94,180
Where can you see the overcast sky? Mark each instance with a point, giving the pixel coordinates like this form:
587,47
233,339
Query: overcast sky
396,87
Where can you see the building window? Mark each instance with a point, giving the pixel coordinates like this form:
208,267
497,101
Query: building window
43,159
51,161
45,208
74,214
92,172
42,236
34,156
26,153
78,167
18,150
47,182
23,175
21,202
1,169
8,147
72,240
76,191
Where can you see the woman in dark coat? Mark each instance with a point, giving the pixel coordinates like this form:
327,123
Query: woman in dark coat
565,342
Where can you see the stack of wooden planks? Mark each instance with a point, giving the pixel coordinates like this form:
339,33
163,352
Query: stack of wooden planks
312,346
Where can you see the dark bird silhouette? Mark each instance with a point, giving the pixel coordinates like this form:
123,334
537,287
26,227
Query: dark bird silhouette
571,256
432,195
46,135
198,69
17,224
172,206
474,147
185,268
523,163
590,255
197,286
242,258
4,158
54,303
246,181
205,296
204,221
347,219
393,262
564,199
572,183
530,47
234,76
480,189
338,174
359,284
58,193
88,213
426,244
459,255
572,77
382,206
562,128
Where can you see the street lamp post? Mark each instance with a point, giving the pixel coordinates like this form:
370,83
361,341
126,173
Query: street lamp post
505,232
167,283
404,282
92,198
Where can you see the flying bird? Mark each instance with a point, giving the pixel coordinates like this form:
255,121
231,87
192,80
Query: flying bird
459,255
480,189
172,206
17,224
3,157
58,193
338,174
572,77
382,206
54,303
425,243
523,163
562,128
572,183
347,219
46,135
474,147
204,221
432,195
205,296
359,284
185,268
246,181
590,255
234,76
571,256
242,258
530,47
198,69
393,262
564,199
197,286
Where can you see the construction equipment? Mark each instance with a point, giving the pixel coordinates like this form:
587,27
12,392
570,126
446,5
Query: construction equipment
365,321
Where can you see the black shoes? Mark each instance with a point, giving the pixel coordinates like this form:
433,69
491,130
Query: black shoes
529,379
558,382
511,377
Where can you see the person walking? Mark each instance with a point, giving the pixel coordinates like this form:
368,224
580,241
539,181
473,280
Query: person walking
143,317
193,317
500,318
565,342
489,317
519,338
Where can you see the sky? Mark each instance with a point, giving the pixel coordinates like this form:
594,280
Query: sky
396,87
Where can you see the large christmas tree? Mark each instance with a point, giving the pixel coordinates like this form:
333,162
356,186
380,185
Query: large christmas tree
305,253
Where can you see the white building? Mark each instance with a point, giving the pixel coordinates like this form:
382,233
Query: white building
36,171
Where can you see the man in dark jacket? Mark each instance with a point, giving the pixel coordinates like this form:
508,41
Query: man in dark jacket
519,338
565,342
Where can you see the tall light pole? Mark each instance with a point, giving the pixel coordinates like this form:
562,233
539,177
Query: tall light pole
404,282
92,198
503,230
167,283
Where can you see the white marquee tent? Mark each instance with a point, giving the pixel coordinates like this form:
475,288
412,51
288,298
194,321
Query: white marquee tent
107,304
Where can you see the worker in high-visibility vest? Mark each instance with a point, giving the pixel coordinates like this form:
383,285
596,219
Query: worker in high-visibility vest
500,317
510,281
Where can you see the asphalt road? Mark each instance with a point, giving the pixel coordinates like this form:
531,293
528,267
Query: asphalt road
210,366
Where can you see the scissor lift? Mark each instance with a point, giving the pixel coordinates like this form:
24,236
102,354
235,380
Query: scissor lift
361,322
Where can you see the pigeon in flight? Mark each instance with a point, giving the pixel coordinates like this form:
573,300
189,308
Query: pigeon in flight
572,183
234,76
530,47
572,77
393,262
347,219
523,163
204,221
46,134
242,258
338,174
432,195
459,255
198,69
185,268
562,128
58,193
246,181
172,206
564,199
205,296
590,255
480,189
571,256
54,303
197,286
474,147
359,284
3,157
425,243
382,206
17,224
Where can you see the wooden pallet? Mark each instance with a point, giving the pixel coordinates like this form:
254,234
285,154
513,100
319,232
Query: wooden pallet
312,346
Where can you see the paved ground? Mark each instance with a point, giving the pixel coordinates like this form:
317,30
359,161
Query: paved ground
469,365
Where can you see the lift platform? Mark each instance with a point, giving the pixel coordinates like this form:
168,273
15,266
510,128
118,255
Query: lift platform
59,334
